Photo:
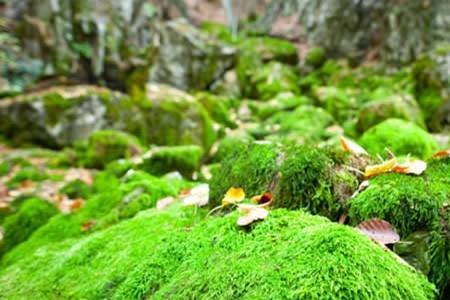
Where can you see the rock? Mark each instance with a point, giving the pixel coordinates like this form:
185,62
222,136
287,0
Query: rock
341,103
187,58
401,106
399,136
284,101
55,117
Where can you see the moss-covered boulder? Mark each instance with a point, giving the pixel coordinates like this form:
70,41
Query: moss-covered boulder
298,177
171,254
55,117
32,214
400,106
270,49
399,136
272,79
306,124
341,103
105,146
284,101
183,159
217,108
316,57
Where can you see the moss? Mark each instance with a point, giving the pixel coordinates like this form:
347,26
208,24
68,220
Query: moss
281,102
270,49
216,107
171,254
410,203
251,168
32,214
5,168
399,136
55,104
27,173
316,57
340,103
272,79
105,146
76,189
230,144
119,167
306,124
219,31
184,159
400,106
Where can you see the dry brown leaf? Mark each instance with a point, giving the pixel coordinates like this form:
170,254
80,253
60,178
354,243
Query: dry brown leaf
351,146
442,154
251,213
165,202
263,199
198,195
379,230
27,184
86,226
233,196
67,205
80,174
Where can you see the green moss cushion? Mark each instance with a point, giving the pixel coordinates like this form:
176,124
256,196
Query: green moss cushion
173,255
399,136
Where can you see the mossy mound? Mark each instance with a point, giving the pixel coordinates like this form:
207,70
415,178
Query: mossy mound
399,136
184,159
154,256
32,214
217,107
284,101
341,103
105,146
298,176
27,173
270,49
400,106
316,57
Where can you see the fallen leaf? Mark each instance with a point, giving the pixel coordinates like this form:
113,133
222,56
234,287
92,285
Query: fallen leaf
67,205
80,174
27,184
164,202
351,146
76,204
384,167
233,196
86,226
411,166
264,199
362,186
251,214
198,195
379,230
442,154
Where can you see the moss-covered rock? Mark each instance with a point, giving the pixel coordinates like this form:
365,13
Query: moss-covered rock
306,124
184,159
279,258
270,49
32,214
217,108
298,177
272,79
400,106
229,144
316,57
28,173
105,146
284,101
399,136
341,103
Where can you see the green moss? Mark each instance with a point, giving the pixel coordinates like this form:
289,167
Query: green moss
32,214
270,49
281,102
251,168
410,203
400,106
184,159
316,57
27,173
54,105
5,167
230,144
170,254
119,167
272,79
304,125
339,102
216,107
105,146
399,136
76,189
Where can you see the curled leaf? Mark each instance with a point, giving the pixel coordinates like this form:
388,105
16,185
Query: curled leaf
233,196
415,166
251,213
380,231
442,154
384,167
351,146
198,195
263,199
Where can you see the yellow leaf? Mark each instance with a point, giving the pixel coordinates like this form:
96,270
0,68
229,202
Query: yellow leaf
384,167
351,146
233,196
